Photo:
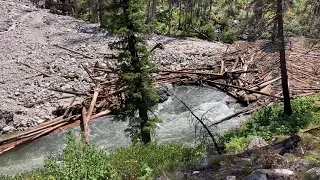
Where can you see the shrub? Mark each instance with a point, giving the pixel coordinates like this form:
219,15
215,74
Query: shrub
130,162
209,31
228,36
272,121
81,161
236,144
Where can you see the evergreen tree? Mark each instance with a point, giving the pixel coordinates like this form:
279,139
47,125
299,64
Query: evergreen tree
136,68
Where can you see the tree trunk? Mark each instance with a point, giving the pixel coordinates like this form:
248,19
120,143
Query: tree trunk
101,14
170,17
153,13
145,135
180,14
148,12
284,75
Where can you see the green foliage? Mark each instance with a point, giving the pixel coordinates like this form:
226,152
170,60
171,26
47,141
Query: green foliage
237,144
78,161
197,21
141,160
209,31
81,161
135,78
228,36
272,121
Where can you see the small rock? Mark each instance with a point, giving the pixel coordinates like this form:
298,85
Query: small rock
257,175
257,142
40,121
230,178
288,155
7,129
314,173
195,172
207,162
299,164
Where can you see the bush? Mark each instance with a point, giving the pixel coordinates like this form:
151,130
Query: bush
272,121
209,31
130,162
81,161
228,36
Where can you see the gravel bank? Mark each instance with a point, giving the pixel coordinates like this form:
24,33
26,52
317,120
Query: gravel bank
27,36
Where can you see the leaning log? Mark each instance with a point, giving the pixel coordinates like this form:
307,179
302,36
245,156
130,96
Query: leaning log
237,87
229,117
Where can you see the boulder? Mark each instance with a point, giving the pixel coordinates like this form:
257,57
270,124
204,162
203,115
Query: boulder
257,175
314,173
163,93
7,129
257,142
209,161
265,174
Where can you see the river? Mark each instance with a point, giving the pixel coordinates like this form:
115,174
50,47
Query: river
177,126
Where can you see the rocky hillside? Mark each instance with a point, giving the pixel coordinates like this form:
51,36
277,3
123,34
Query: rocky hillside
31,63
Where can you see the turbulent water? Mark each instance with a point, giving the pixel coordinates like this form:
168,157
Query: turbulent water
177,126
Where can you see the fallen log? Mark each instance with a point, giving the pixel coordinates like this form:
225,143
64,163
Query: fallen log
89,74
229,93
27,65
103,70
187,72
237,87
7,147
100,114
68,92
31,104
308,89
50,124
229,117
222,67
264,84
73,51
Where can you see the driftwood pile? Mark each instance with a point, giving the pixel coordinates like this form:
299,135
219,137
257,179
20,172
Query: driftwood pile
247,73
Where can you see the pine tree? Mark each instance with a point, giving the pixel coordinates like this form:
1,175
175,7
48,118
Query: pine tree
136,68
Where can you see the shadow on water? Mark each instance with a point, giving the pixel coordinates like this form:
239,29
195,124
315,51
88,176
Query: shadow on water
177,126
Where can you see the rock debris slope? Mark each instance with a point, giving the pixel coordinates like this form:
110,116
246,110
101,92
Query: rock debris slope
27,38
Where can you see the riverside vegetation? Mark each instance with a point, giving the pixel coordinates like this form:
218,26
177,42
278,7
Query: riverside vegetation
81,161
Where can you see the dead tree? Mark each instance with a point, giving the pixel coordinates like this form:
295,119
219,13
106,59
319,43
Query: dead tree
283,66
